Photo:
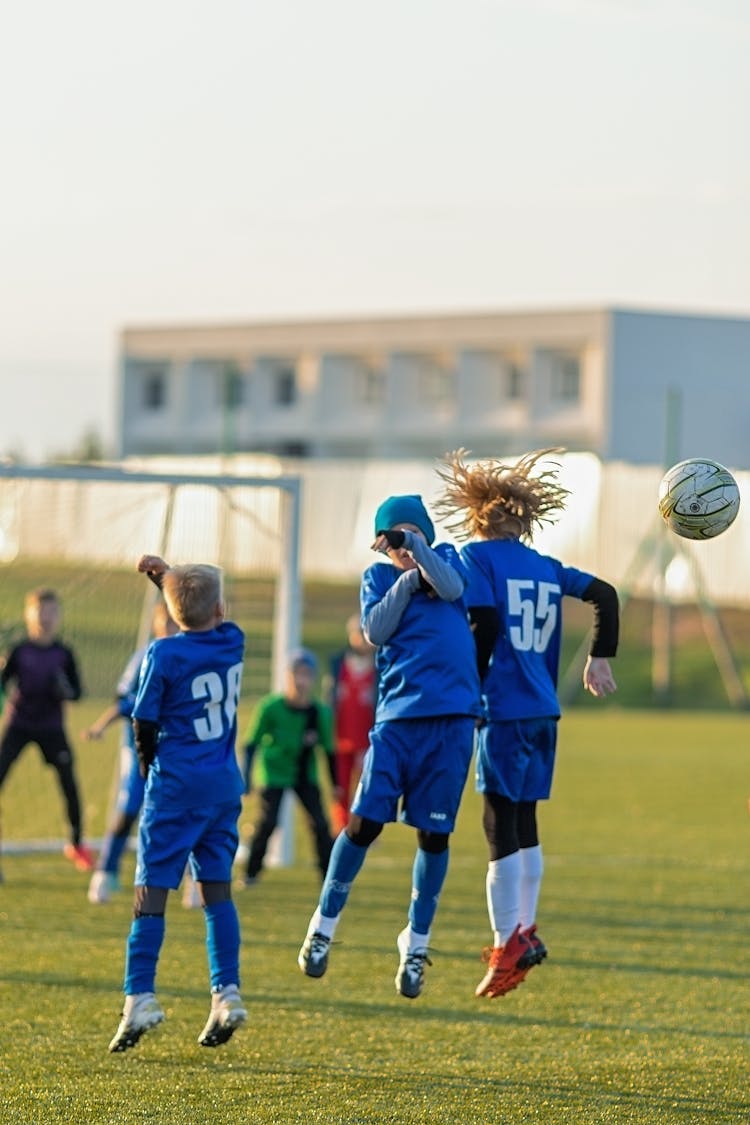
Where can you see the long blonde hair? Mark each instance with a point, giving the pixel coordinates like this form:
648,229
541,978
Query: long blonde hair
494,500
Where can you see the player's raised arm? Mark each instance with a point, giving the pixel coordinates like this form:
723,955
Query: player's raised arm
153,566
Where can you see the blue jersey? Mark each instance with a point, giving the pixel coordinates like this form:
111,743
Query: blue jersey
427,667
190,686
526,588
127,689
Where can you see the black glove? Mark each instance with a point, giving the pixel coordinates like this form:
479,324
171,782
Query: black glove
146,737
395,538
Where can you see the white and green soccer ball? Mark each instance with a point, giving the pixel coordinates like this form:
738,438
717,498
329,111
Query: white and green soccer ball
698,498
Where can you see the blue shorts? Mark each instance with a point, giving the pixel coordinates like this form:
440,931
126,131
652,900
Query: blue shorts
517,758
131,784
423,762
168,837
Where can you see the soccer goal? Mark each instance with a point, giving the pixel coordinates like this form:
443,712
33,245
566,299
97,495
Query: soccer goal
80,530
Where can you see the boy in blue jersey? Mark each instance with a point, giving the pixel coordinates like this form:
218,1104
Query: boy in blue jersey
185,722
106,877
421,743
515,602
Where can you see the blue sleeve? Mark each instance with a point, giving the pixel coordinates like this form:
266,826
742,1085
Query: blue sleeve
147,703
440,565
385,594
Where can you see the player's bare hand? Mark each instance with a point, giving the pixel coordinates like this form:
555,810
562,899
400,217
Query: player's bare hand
598,678
151,564
93,734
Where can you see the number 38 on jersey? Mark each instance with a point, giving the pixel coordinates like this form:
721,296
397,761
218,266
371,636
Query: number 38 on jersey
220,702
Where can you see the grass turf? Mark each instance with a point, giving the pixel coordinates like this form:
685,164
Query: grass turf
638,1015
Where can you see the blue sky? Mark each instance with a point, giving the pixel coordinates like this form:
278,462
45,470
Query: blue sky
169,162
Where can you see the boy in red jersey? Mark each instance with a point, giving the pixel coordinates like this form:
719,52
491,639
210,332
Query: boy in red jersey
353,692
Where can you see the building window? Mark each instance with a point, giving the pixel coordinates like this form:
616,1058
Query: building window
154,390
436,383
284,386
566,379
373,386
231,387
515,382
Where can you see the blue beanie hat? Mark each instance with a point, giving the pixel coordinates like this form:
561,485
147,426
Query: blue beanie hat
302,656
404,509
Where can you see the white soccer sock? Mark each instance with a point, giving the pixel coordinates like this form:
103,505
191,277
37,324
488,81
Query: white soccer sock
416,941
532,869
322,925
503,895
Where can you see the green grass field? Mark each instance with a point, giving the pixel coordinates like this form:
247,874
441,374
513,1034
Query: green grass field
640,1013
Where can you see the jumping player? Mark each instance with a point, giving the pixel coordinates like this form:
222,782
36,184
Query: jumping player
185,720
422,740
515,602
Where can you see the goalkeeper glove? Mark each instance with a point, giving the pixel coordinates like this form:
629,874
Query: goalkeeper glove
395,538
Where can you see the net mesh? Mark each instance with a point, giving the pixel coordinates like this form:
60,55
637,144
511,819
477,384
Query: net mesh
82,537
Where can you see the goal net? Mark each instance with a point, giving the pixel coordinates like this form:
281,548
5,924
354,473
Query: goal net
80,531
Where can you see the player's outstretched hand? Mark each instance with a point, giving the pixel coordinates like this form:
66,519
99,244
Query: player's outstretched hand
386,540
151,564
598,678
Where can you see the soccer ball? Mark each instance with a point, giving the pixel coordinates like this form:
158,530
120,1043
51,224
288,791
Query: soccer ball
698,498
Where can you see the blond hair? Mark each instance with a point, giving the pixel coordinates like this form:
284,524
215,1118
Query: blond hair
39,595
494,500
192,593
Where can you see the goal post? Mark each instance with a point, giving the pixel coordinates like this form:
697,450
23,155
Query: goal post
80,530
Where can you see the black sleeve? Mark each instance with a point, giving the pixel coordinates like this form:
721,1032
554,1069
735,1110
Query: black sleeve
73,676
606,634
146,735
485,624
247,765
8,670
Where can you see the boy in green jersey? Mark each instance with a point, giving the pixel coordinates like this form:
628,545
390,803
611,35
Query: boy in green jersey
285,730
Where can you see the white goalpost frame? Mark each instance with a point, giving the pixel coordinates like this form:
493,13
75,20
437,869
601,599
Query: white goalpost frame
288,597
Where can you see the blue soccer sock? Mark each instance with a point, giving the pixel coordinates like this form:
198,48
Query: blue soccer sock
223,944
428,876
142,953
343,867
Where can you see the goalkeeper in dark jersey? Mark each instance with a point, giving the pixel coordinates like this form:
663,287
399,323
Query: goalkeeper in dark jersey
39,676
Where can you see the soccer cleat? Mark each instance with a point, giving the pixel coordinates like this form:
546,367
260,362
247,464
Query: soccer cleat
538,949
226,1015
410,975
508,965
80,855
313,956
140,1013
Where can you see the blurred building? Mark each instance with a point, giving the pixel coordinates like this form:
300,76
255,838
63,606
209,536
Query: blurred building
625,384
